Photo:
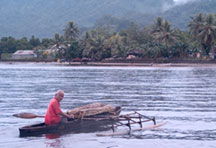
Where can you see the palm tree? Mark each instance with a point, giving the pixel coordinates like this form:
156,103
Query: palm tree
207,33
117,45
71,32
195,25
162,33
95,44
158,25
167,35
58,39
203,29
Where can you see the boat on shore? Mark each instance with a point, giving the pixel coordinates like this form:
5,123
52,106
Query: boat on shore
99,122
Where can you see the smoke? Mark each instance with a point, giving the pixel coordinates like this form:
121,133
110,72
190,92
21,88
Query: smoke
181,2
168,5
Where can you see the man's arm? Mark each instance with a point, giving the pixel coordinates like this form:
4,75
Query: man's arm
58,111
66,115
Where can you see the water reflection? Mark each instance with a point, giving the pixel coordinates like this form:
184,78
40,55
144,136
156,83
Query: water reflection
55,143
52,136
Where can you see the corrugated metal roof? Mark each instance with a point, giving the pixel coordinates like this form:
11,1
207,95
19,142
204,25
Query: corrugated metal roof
24,52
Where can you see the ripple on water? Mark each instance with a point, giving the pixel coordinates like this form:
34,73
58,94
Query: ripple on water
184,97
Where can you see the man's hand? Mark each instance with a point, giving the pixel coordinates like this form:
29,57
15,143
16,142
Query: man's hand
71,116
67,115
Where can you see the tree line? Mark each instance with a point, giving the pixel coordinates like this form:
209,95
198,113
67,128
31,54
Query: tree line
159,40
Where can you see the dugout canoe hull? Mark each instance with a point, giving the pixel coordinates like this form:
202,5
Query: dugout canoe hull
86,125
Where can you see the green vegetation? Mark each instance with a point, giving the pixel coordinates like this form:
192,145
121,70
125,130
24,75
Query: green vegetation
157,41
203,30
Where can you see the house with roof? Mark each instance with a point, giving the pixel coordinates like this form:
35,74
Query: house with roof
55,48
52,50
23,54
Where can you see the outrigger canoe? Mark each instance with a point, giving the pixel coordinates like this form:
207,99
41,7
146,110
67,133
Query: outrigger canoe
100,118
99,122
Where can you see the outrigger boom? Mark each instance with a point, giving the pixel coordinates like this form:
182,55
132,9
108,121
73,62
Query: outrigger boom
132,119
128,120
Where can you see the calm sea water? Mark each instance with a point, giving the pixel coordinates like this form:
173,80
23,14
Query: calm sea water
183,97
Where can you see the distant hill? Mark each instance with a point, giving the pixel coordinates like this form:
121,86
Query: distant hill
43,18
179,16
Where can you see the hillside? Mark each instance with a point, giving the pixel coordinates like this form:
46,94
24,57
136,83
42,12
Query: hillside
179,16
43,18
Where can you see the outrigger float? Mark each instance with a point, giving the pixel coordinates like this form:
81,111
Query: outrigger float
92,120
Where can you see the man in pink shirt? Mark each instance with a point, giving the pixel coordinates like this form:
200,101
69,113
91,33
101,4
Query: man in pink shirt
54,113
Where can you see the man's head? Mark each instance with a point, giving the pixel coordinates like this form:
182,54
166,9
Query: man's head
59,95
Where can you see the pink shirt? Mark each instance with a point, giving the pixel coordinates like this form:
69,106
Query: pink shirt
52,114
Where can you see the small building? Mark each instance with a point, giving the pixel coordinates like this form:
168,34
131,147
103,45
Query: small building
131,57
23,54
52,50
57,47
133,54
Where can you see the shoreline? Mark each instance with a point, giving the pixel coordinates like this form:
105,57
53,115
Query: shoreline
144,64
120,64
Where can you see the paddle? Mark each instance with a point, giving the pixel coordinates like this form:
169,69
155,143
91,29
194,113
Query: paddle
27,115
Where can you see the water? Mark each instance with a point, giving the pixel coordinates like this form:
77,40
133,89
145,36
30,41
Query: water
183,97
